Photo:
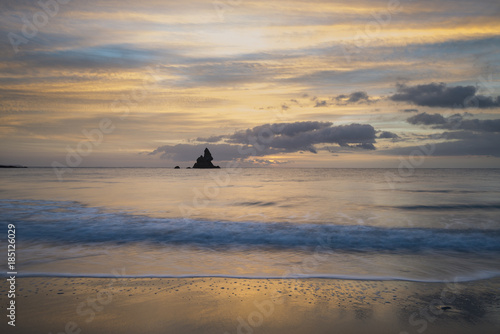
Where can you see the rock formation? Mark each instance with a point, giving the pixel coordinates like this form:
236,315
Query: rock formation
205,161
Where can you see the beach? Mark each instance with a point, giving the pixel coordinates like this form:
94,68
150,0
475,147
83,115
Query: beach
273,251
229,305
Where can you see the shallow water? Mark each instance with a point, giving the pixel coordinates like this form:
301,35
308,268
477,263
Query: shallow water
434,225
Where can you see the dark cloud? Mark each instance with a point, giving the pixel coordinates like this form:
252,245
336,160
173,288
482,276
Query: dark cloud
427,119
275,138
356,97
342,99
487,125
463,135
387,134
409,110
322,103
456,122
440,95
303,136
466,144
469,137
366,146
287,129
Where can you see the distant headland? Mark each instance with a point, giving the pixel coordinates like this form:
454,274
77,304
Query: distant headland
12,166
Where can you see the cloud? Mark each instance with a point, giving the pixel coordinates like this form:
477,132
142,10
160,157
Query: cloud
274,138
456,122
288,129
487,125
409,110
387,134
303,136
211,139
440,95
426,119
266,162
469,137
344,99
355,97
467,144
366,146
322,103
462,135
358,96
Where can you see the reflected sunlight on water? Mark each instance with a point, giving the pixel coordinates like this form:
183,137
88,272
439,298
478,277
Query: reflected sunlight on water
265,222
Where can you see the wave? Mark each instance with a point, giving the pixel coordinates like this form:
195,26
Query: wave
443,191
256,203
456,279
73,223
492,206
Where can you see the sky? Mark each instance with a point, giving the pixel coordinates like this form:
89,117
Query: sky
151,83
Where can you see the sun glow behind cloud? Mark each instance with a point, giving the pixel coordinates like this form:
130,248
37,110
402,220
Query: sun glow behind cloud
217,71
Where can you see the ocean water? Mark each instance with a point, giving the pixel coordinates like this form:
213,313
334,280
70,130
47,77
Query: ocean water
432,225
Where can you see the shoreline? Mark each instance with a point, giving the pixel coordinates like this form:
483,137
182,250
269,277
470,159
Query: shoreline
467,279
230,305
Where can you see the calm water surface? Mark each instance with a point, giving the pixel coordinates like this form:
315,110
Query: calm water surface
435,225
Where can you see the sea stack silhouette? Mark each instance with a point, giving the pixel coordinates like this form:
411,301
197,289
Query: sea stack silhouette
205,160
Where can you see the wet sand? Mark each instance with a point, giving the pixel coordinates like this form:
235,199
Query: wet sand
226,305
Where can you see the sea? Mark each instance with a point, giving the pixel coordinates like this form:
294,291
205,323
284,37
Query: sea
422,225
